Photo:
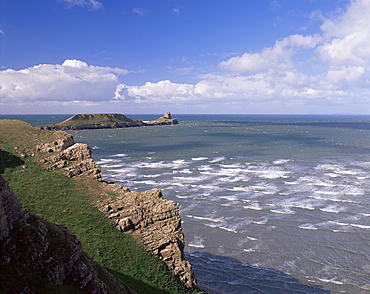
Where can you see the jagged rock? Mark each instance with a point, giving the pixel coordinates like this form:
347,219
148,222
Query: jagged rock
76,160
33,244
64,142
166,119
156,225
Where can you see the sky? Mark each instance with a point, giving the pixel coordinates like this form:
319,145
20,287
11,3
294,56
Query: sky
185,56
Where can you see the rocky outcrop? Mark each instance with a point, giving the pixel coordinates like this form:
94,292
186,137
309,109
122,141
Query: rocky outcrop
74,158
166,119
64,141
95,121
106,121
34,247
156,225
153,221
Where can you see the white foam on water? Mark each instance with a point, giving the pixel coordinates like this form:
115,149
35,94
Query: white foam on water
216,220
331,208
152,176
308,227
251,238
253,206
360,226
217,159
330,281
281,161
107,160
249,250
119,155
270,173
96,147
205,167
199,158
221,228
197,242
229,198
185,171
285,210
239,189
346,172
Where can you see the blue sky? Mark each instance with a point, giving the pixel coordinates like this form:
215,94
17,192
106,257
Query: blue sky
185,56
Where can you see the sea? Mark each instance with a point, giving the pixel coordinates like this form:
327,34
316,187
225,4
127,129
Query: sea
269,203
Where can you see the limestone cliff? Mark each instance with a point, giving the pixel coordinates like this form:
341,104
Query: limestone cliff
156,225
36,254
153,221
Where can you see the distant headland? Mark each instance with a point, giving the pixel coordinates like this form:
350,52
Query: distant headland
107,121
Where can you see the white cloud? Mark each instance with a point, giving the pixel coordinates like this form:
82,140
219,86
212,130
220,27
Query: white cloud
336,63
139,11
329,69
278,56
348,36
74,80
89,4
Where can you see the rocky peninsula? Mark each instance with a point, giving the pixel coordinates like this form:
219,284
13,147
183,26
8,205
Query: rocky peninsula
107,121
152,221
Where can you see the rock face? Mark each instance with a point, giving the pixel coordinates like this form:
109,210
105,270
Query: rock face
31,245
74,158
153,221
156,225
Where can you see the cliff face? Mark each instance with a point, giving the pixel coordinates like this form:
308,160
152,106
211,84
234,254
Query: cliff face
153,221
156,225
32,249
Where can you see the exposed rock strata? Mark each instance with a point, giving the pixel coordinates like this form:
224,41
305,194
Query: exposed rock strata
31,245
75,160
156,225
153,221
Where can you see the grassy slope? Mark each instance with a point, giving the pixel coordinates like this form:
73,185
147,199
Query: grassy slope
67,202
85,120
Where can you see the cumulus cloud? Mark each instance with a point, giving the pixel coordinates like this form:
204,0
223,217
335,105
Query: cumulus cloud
348,36
89,4
336,63
71,81
278,56
329,68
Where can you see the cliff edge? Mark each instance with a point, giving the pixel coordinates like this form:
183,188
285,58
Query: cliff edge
154,222
38,256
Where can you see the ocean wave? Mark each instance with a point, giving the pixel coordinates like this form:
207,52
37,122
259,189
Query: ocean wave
199,158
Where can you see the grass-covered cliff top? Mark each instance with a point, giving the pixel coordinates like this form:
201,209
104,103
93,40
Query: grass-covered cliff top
99,120
67,202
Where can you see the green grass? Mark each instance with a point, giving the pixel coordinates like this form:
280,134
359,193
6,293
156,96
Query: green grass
67,202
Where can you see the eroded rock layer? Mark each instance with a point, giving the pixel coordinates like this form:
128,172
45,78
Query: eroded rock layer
156,225
153,221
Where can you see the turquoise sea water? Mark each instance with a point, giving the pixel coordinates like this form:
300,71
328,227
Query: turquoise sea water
269,204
